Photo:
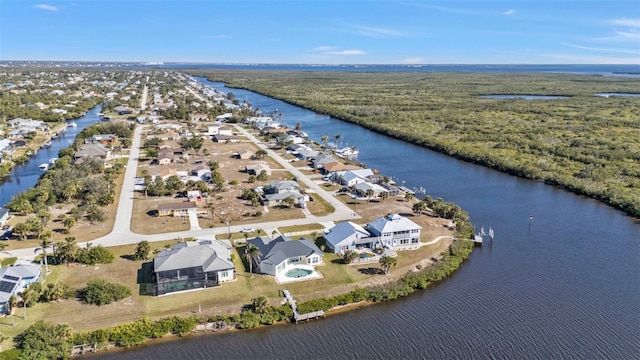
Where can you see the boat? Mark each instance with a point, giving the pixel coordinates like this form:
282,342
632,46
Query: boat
52,161
43,167
46,144
72,124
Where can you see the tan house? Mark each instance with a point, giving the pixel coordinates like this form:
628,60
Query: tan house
256,169
177,209
245,154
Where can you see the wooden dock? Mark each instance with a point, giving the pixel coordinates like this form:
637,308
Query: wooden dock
296,314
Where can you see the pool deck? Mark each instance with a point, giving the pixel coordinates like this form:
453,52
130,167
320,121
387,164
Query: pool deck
283,279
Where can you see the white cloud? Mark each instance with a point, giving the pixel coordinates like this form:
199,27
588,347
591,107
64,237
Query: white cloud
345,52
625,22
600,49
415,60
332,50
45,7
509,12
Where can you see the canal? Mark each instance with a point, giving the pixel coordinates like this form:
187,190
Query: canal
565,285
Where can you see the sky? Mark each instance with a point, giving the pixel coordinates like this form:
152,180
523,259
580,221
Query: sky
323,32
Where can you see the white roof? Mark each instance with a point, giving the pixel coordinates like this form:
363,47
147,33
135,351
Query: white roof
364,186
393,223
344,233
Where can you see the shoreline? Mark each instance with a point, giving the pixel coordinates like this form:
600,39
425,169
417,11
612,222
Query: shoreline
490,163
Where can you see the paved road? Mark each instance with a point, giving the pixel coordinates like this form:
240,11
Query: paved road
122,234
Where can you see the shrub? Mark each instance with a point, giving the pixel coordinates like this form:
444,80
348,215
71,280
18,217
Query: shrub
101,292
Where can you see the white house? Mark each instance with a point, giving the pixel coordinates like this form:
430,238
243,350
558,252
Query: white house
282,253
345,236
14,279
353,177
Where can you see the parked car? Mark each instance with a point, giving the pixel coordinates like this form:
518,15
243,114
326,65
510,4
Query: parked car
7,235
247,230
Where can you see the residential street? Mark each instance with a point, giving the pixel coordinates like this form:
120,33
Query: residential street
122,234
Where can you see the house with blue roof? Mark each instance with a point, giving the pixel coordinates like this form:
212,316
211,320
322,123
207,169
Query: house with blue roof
282,253
14,279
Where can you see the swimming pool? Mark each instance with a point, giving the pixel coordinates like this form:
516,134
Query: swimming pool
298,273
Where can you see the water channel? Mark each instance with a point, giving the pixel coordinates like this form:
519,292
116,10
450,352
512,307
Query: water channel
565,285
26,175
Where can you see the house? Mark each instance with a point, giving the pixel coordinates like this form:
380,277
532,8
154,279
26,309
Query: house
353,177
14,279
346,236
224,117
5,145
277,191
390,232
177,209
4,216
93,151
101,139
122,110
193,265
225,138
202,172
244,154
165,157
321,159
282,253
19,122
194,196
364,187
199,117
333,167
395,230
256,169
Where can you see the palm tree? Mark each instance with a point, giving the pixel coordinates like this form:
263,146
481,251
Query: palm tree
211,207
348,256
252,253
419,207
44,244
337,137
387,262
28,295
370,194
384,195
324,139
11,304
408,196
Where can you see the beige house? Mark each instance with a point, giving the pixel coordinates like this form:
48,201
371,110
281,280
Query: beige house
177,209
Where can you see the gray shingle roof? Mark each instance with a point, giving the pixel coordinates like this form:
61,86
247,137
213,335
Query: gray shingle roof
281,248
211,255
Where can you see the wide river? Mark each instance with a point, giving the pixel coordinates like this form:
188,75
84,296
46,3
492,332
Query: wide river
566,285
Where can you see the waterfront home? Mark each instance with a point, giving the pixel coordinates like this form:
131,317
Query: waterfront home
353,177
224,117
91,151
321,159
4,216
302,151
281,254
391,232
5,145
177,209
364,187
345,236
101,139
395,231
122,110
256,169
331,168
14,279
19,122
193,265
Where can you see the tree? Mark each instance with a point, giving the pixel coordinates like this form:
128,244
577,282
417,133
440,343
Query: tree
143,249
370,194
11,304
324,139
211,207
251,253
68,222
387,262
384,195
29,296
288,201
44,244
408,196
22,230
101,292
260,154
419,207
67,251
42,341
348,256
337,137
260,304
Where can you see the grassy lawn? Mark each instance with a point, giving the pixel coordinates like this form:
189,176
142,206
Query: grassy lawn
145,220
301,228
319,207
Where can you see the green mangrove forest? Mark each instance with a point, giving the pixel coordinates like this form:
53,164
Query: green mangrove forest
584,143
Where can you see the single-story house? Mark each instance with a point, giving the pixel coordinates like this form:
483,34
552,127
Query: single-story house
332,167
354,177
122,110
94,151
245,154
177,208
224,117
19,122
14,279
165,157
203,172
256,169
277,191
194,195
193,265
321,159
199,117
363,187
282,253
225,138
101,139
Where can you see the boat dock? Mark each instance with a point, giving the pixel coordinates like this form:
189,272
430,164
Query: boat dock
296,314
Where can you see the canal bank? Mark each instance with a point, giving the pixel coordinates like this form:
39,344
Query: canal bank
564,285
